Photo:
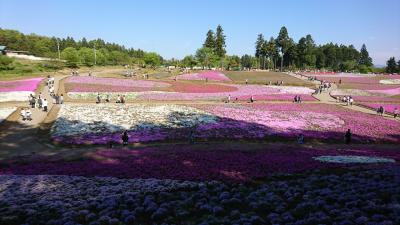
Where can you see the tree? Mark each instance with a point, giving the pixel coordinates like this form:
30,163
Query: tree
86,56
189,61
220,42
271,50
283,42
70,55
152,59
210,40
232,62
246,62
206,57
364,57
391,66
259,47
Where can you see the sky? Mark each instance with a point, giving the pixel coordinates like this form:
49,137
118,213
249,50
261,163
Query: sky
175,28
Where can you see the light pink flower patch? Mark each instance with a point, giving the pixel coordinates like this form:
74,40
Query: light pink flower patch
115,84
394,91
210,75
20,85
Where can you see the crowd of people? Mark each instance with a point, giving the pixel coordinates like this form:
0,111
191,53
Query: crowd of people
348,100
297,99
120,99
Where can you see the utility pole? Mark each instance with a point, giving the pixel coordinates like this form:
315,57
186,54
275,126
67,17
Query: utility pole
58,49
94,48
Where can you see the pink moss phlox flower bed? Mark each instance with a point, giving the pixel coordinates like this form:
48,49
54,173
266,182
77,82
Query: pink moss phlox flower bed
262,121
242,92
387,107
210,75
20,85
186,163
99,84
185,87
393,91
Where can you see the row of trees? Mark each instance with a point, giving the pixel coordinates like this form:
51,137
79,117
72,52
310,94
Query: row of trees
81,52
392,66
305,54
213,52
282,51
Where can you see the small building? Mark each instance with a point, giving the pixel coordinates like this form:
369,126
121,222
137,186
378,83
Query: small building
2,50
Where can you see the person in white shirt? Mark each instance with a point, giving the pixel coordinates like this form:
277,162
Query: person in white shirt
45,104
28,114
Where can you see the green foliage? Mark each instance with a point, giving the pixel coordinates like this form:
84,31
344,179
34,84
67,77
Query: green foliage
71,56
86,56
232,62
364,57
391,66
246,61
206,57
220,42
152,59
307,55
6,62
364,69
210,40
47,47
189,61
348,66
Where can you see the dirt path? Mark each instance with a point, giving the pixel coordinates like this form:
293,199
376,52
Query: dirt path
21,137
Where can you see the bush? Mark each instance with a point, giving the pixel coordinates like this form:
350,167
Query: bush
6,63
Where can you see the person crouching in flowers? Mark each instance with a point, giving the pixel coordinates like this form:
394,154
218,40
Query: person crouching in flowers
251,99
125,138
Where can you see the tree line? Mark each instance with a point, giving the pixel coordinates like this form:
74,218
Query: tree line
392,66
77,52
306,54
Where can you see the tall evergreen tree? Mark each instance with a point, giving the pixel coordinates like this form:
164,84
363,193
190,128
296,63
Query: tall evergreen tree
391,66
259,47
210,40
364,57
220,42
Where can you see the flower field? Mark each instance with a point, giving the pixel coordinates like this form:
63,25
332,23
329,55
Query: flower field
190,91
390,81
209,75
205,162
364,197
5,112
18,90
102,123
99,84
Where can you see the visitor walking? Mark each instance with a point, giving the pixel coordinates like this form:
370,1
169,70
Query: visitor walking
395,112
40,102
61,100
229,98
251,99
125,138
247,81
45,104
347,136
